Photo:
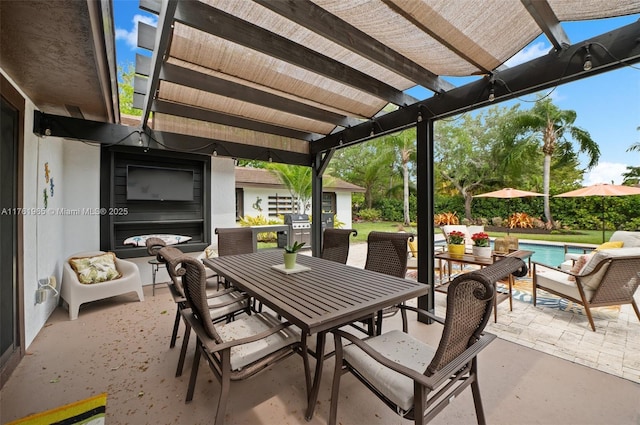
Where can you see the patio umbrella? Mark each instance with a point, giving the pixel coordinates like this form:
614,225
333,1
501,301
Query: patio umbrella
508,193
603,190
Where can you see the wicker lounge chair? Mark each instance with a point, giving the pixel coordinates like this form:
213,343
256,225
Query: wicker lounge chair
418,381
235,350
335,244
610,277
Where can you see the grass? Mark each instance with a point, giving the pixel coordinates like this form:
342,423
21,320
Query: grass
582,236
364,227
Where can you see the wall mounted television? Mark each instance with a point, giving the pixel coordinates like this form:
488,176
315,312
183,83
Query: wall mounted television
159,184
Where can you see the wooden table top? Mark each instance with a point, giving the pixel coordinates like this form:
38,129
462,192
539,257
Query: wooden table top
328,296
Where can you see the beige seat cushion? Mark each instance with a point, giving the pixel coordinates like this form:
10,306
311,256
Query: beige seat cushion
559,282
228,309
401,348
245,354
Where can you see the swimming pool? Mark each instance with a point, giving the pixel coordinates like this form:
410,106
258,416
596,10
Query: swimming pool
552,255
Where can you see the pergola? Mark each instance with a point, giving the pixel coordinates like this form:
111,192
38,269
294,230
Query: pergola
292,81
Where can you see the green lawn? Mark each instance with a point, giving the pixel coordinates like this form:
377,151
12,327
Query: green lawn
584,236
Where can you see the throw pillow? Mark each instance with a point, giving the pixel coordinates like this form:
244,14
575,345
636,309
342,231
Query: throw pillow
210,252
96,269
609,245
579,265
413,248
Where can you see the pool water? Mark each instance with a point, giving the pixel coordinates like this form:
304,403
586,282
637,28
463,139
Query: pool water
552,255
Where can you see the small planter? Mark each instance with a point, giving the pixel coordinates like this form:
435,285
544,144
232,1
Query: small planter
290,260
482,251
456,249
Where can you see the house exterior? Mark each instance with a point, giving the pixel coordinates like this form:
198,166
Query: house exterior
260,192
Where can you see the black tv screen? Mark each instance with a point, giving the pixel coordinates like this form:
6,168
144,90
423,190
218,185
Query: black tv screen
159,184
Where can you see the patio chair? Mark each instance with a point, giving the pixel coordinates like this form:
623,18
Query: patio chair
223,305
95,276
387,253
235,350
418,380
234,241
609,277
335,244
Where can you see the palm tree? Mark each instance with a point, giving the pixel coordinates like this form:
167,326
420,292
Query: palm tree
549,126
297,179
404,143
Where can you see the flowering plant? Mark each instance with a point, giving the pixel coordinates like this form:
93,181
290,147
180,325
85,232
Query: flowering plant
455,238
480,239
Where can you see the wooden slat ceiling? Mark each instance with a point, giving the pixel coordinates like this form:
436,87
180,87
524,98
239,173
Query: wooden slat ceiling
284,75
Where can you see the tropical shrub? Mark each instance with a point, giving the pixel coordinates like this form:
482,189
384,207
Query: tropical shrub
260,220
521,220
369,214
447,218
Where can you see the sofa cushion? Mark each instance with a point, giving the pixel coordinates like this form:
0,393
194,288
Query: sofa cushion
559,282
630,239
95,269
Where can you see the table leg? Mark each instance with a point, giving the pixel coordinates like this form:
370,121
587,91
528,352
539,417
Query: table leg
495,302
315,390
154,270
511,281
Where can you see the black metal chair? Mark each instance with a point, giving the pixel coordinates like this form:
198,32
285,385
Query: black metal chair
335,244
413,378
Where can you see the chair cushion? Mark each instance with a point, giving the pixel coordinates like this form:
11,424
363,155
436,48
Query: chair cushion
630,239
592,282
557,281
95,269
401,348
245,354
217,312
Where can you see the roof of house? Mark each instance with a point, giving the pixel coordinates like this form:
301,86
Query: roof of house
260,177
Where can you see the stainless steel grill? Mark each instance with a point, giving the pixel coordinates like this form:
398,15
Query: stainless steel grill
299,230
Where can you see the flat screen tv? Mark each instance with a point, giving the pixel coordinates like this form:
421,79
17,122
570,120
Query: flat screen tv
159,184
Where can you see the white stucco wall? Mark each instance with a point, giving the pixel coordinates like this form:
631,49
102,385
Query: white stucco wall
343,208
43,231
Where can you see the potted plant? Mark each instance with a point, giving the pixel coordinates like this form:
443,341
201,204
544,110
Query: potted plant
481,247
291,253
455,242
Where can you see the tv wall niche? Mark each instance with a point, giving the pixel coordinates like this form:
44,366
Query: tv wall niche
156,192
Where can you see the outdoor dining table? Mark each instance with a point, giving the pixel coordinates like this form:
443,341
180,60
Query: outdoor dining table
327,296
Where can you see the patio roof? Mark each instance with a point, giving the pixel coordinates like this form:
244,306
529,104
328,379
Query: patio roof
291,79
301,77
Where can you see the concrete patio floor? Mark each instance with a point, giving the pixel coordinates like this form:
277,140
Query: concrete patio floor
121,347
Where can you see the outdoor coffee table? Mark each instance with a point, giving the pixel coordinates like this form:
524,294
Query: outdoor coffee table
482,262
327,296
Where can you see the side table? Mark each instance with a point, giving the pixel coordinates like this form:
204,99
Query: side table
155,265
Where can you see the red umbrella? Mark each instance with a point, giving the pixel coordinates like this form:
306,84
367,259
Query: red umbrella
508,193
602,190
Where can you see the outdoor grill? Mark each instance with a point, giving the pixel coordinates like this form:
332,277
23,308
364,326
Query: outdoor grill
299,230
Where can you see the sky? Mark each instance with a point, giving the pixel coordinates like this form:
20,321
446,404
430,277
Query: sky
607,105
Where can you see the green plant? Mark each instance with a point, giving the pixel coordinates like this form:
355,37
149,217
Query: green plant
294,248
369,214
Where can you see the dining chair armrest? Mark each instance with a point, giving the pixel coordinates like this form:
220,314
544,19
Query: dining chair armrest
242,297
422,311
431,382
